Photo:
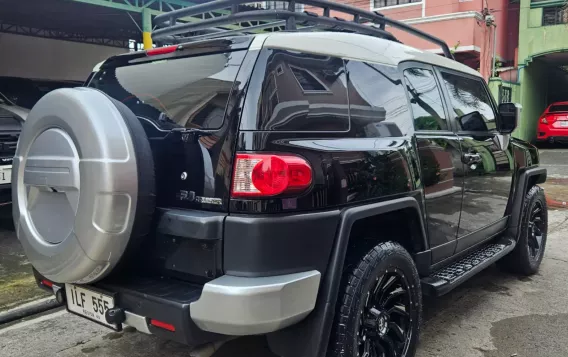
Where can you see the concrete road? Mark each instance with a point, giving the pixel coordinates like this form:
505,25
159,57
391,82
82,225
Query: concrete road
555,160
493,315
17,284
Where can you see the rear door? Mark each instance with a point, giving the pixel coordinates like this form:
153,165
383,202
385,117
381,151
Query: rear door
197,89
488,168
440,158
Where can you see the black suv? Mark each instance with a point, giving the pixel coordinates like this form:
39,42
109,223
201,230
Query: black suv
306,185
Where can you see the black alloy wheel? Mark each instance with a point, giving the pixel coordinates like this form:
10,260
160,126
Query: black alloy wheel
536,229
379,307
385,323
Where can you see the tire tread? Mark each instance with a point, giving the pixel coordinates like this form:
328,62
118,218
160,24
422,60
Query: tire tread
518,261
352,285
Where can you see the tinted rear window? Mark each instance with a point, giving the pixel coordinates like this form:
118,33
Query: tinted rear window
559,108
189,92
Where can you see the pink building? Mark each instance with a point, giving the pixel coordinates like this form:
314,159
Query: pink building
461,23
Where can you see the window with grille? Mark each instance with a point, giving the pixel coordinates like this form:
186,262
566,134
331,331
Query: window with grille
554,15
385,3
504,94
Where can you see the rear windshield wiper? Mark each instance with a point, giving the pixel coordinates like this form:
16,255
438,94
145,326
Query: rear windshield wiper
192,134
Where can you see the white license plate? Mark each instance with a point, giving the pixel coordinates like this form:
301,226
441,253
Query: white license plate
88,303
564,123
5,174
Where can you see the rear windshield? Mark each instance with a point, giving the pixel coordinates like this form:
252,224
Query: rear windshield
189,92
559,108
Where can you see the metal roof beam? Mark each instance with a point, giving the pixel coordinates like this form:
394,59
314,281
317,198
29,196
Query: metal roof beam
61,35
156,7
119,5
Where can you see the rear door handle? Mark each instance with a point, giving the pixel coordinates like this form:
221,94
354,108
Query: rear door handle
471,158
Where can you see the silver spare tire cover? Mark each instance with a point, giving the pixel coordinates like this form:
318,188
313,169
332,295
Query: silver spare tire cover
75,185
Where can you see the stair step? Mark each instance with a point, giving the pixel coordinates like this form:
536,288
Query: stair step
446,279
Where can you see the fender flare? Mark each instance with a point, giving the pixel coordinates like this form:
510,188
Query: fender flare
310,337
534,175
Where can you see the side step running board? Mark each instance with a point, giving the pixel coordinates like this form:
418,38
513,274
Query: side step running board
448,278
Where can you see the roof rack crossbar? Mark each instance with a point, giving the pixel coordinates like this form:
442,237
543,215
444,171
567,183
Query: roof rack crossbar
359,16
267,15
242,31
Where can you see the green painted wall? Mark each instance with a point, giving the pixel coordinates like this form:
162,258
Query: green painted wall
494,84
534,40
533,91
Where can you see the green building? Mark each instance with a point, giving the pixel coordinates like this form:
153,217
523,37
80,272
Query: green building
540,75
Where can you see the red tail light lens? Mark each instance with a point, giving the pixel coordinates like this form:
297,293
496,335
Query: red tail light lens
261,175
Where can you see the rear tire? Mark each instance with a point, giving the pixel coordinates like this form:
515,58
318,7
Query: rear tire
525,259
379,306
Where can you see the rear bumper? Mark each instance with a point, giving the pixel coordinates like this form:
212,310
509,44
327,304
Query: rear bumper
233,305
547,133
228,305
553,138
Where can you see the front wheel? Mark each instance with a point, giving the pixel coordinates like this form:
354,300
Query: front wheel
379,306
525,259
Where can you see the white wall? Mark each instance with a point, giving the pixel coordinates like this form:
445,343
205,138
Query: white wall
35,57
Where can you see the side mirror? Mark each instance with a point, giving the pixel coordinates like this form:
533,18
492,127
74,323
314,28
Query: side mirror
509,114
472,122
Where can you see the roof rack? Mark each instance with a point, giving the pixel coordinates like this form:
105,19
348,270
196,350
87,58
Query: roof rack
365,22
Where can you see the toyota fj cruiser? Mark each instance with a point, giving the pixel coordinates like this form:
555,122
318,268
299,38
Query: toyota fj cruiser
305,184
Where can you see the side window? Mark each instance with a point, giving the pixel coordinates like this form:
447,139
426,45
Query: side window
300,92
470,102
425,100
377,102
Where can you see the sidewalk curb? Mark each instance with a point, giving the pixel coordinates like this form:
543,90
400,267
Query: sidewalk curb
29,309
556,204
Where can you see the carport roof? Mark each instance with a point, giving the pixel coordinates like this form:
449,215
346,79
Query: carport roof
105,22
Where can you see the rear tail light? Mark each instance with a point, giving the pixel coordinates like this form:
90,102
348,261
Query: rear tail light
262,175
543,120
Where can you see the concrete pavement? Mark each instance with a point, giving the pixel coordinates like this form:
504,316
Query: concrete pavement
17,284
493,315
555,160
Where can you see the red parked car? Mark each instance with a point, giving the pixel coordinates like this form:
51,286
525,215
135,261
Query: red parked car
553,123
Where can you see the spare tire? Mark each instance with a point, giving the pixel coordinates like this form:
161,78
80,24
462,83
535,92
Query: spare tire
83,185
